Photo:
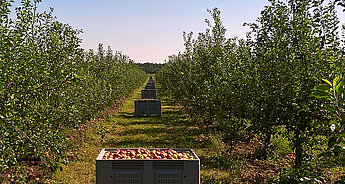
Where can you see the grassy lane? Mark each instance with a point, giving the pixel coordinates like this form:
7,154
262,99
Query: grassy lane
123,130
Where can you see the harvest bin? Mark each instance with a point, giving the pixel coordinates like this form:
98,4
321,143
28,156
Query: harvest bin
151,79
138,171
150,87
151,84
148,94
148,107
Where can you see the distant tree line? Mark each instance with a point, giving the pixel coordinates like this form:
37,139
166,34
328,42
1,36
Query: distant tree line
150,68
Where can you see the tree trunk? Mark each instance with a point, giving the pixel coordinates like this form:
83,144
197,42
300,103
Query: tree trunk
267,142
298,149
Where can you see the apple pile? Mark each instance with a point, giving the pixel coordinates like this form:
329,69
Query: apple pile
147,154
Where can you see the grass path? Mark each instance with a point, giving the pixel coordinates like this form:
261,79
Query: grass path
123,130
173,130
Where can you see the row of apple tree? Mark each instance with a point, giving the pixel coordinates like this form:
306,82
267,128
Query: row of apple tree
288,72
48,84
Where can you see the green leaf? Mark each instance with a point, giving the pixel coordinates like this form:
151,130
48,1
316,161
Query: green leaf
320,95
322,87
327,81
342,134
340,85
329,108
332,141
337,150
332,122
336,80
325,154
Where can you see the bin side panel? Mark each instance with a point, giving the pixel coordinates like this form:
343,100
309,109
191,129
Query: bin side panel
148,94
148,107
104,174
150,87
168,176
136,108
192,172
150,84
126,176
147,171
140,107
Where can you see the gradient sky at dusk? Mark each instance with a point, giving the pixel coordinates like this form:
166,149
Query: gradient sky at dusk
150,30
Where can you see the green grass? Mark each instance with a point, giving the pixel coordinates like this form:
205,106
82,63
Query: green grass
123,130
173,130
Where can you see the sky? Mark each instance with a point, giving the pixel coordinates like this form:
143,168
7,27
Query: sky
150,30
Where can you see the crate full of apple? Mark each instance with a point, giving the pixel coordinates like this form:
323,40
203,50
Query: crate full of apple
140,165
147,154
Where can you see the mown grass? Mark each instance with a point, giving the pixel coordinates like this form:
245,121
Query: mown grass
122,130
173,130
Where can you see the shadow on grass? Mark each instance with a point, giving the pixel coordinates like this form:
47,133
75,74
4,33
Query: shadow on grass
157,142
137,131
168,134
127,114
223,161
170,130
171,113
132,117
147,122
140,142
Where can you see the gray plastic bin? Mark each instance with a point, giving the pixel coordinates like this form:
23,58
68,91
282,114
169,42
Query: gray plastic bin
148,94
148,171
148,107
151,84
150,87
